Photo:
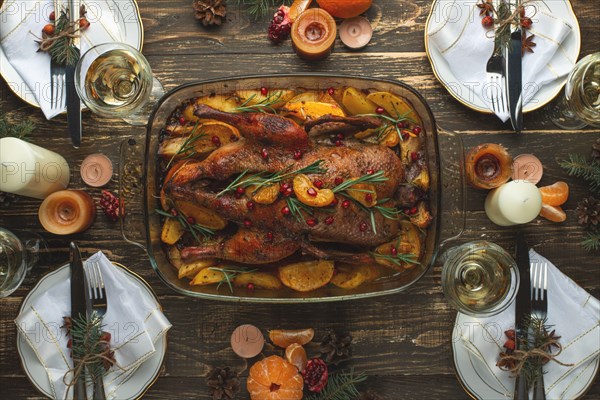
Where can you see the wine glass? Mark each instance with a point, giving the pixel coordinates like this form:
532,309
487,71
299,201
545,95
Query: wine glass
579,106
115,80
479,278
19,252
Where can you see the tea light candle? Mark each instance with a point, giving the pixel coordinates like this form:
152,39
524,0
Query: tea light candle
30,170
356,32
247,341
313,34
67,211
515,202
527,167
96,170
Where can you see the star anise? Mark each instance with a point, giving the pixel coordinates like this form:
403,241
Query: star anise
506,363
486,7
527,44
551,341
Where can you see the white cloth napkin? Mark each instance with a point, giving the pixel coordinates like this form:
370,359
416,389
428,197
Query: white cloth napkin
133,319
575,315
456,31
23,20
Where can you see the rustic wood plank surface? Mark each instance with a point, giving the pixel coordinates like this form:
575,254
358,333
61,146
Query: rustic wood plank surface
404,341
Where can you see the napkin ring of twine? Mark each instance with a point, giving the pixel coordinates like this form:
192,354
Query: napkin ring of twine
505,17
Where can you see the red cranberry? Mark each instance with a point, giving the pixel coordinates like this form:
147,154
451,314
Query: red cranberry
370,172
52,16
284,187
369,197
346,203
413,211
318,183
416,130
311,222
297,154
285,210
190,220
216,141
414,156
288,192
270,236
264,154
250,205
247,223
379,110
329,220
394,251
174,212
250,286
181,121
264,91
339,143
340,136
311,192
338,181
402,125
240,190
363,226
331,91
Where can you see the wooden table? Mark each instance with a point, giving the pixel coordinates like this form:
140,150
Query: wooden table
403,341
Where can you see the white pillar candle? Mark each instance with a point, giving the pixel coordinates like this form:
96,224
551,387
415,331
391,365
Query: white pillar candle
30,170
515,202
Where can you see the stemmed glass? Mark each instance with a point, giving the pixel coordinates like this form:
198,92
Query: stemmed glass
115,80
579,106
19,252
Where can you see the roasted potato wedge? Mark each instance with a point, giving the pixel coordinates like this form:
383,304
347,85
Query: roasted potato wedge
172,231
207,276
407,147
348,277
370,272
306,276
356,102
276,97
422,180
202,142
190,270
423,217
314,96
312,110
202,215
217,101
395,106
262,280
408,242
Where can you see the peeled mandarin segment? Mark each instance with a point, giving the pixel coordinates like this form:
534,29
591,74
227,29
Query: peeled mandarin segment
296,355
309,194
555,194
553,213
264,195
297,8
283,338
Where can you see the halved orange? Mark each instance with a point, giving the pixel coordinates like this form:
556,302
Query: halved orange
273,378
283,338
553,213
296,355
555,194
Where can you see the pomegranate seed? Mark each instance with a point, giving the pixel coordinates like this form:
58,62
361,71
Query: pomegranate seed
270,236
413,211
311,192
174,212
311,222
247,223
379,110
369,197
182,121
288,192
285,210
240,190
329,220
283,187
250,286
394,251
346,203
331,91
191,220
250,205
216,141
363,226
338,181
414,156
338,143
404,135
318,183
370,172
334,202
297,155
340,136
416,130
264,91
52,16
402,125
264,154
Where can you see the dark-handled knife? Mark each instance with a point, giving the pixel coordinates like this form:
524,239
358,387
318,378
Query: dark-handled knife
73,100
78,310
522,307
514,77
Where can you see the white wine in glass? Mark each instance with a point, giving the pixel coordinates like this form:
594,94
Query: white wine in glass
115,80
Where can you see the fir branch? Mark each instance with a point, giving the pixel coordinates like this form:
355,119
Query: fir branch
374,178
62,50
260,8
592,241
265,105
579,166
229,274
341,386
21,130
398,259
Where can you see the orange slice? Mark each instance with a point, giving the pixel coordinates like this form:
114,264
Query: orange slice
553,213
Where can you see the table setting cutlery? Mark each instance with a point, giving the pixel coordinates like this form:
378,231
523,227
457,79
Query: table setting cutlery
514,75
99,304
522,307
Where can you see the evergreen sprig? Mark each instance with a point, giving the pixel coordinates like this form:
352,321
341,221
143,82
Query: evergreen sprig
591,241
62,50
260,8
580,166
341,386
88,343
20,130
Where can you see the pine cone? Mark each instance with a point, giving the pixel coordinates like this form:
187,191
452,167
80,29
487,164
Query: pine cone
210,12
588,212
6,199
596,151
223,383
336,347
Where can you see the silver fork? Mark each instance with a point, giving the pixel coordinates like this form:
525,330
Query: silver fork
99,305
496,83
539,309
57,86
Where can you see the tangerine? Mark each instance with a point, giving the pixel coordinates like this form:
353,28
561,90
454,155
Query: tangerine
555,194
296,355
297,8
274,378
283,338
345,8
553,213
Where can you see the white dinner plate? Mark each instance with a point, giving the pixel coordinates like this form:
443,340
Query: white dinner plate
140,380
120,16
480,383
460,92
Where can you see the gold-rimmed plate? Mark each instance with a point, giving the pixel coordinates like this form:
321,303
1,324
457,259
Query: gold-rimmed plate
135,386
444,10
119,17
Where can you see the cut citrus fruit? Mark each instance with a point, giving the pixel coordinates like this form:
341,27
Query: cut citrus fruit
296,355
283,338
297,8
345,8
555,194
553,213
273,378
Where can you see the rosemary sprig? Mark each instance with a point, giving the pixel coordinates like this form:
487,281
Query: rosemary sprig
20,130
341,386
229,274
374,178
397,259
265,105
390,122
266,179
195,229
188,145
260,8
296,206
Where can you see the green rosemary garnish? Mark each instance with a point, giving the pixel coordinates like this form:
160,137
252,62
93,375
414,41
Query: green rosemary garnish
374,178
341,386
229,274
397,259
265,105
21,130
195,229
390,122
265,179
260,8
188,146
296,206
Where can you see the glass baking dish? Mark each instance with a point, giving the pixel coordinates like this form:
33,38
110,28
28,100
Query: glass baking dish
446,192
